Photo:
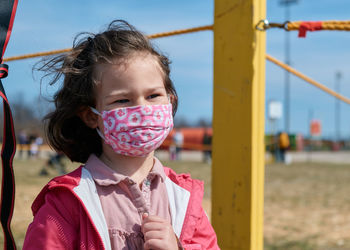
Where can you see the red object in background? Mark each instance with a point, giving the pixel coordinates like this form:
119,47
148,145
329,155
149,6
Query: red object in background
315,128
193,138
336,146
299,142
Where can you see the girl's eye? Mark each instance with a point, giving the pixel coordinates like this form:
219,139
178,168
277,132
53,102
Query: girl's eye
122,101
153,96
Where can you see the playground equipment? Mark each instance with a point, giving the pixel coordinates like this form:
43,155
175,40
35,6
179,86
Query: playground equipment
238,117
8,10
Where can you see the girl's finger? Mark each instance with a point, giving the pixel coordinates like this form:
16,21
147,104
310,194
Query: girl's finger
146,217
153,226
154,244
153,235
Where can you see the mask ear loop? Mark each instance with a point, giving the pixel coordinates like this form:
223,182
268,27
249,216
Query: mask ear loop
97,129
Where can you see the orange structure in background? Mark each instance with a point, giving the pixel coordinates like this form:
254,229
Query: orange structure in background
193,138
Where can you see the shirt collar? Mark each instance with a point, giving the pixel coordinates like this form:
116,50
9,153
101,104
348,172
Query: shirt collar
158,169
105,176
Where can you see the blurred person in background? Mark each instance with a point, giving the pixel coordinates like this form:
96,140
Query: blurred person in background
283,145
39,142
178,140
55,162
33,148
22,142
207,139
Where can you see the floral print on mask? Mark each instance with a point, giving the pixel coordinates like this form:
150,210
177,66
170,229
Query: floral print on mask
137,131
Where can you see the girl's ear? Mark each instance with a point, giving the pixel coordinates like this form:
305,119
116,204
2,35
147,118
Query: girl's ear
171,98
88,117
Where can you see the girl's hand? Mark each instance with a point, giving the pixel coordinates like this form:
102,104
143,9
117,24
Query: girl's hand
158,233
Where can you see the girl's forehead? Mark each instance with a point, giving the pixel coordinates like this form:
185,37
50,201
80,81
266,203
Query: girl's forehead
133,64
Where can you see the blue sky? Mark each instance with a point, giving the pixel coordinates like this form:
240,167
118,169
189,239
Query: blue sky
48,25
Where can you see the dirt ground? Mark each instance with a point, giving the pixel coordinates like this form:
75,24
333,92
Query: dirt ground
306,205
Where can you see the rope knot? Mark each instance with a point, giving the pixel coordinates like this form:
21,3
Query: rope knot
4,70
309,26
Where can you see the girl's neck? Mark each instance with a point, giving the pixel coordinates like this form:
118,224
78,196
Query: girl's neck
137,168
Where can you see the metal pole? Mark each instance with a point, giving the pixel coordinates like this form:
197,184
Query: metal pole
287,76
338,76
238,116
310,146
310,117
287,4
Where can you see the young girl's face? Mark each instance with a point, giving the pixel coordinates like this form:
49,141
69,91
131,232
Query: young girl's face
136,81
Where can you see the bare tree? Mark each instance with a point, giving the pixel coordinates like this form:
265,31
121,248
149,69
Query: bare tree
181,121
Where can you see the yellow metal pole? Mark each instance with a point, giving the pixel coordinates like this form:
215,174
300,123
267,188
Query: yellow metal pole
238,123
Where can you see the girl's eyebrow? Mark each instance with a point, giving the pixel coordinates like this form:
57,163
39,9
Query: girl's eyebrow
116,93
155,88
124,93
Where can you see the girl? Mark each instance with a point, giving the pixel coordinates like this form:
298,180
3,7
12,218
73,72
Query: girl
114,109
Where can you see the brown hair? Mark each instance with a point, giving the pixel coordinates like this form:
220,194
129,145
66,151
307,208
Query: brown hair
65,131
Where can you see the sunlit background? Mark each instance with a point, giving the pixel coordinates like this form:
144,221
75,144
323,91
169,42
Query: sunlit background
306,199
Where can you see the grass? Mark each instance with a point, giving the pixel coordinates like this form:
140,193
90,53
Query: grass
198,170
28,185
301,244
306,205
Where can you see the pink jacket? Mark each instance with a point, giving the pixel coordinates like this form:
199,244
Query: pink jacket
68,214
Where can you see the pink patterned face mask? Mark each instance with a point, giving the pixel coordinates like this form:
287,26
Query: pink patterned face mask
136,131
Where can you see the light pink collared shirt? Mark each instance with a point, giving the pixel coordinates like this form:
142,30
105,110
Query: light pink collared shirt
123,203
